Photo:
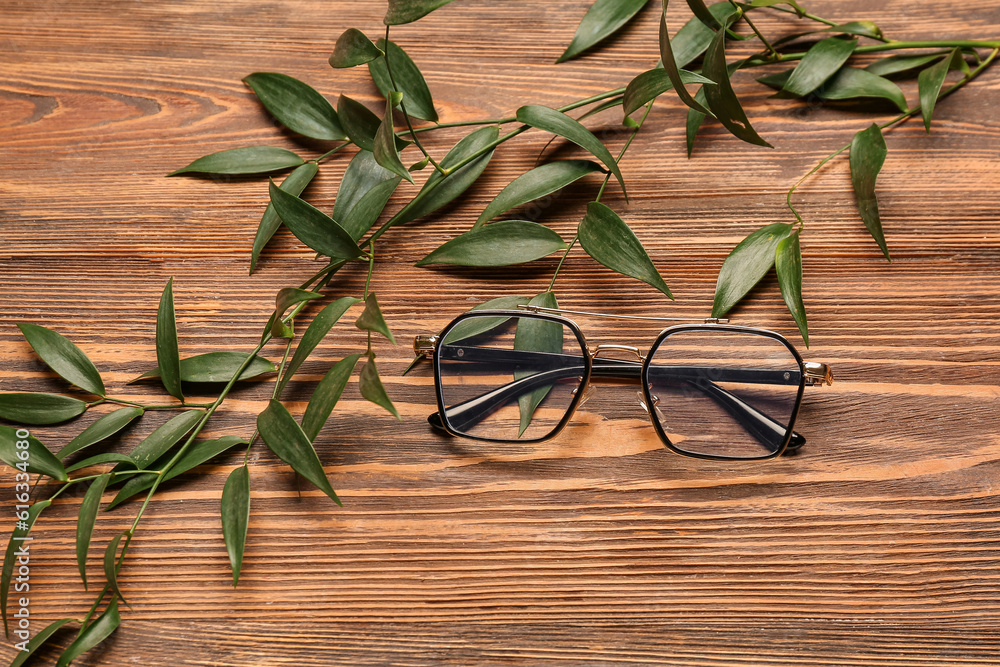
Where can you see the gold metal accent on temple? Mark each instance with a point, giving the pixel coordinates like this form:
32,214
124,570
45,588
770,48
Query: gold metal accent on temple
424,346
818,374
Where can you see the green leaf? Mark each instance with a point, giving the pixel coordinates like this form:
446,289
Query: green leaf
105,427
38,640
285,299
771,3
749,261
313,227
353,48
694,120
672,66
39,408
110,565
536,183
536,335
694,36
85,523
475,326
217,367
603,19
859,28
499,244
167,352
283,435
385,149
236,517
651,84
372,389
868,151
196,455
92,635
929,83
851,83
441,190
247,160
296,105
901,64
99,459
556,122
408,11
788,266
364,191
721,97
63,357
314,334
371,319
163,438
15,543
326,395
700,11
406,75
296,182
606,238
39,459
360,123
822,61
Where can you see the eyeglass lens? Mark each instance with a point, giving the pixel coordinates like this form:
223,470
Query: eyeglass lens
509,378
722,393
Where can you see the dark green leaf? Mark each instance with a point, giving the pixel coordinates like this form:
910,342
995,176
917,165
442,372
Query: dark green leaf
163,438
721,97
868,153
651,84
536,335
700,11
15,543
326,395
100,459
296,182
65,358
556,122
296,105
103,428
440,190
694,36
360,123
536,183
283,435
901,64
371,319
859,28
364,191
313,227
771,3
353,48
85,523
111,563
672,66
499,244
247,160
385,149
408,11
39,459
92,635
290,296
606,238
317,330
475,326
217,367
36,642
851,83
821,62
603,19
167,353
406,75
39,408
694,120
749,261
788,266
236,517
371,387
196,455
929,83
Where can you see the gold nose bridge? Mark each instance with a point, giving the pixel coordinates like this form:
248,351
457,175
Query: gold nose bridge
610,347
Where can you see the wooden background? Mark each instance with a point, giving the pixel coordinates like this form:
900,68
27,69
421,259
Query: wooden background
877,546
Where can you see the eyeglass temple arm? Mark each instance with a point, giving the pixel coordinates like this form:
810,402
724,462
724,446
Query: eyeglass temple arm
463,415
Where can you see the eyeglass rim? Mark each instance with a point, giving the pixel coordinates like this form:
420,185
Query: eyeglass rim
588,365
733,328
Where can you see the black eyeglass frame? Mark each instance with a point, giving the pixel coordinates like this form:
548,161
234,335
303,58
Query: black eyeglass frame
791,442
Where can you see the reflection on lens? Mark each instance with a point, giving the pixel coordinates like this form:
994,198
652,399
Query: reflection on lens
508,377
724,393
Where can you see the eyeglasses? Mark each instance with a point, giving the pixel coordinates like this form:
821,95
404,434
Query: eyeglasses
712,390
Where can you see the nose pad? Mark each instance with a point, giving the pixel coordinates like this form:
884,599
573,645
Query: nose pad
656,406
586,395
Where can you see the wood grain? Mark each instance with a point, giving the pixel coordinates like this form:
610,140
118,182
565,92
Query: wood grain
878,545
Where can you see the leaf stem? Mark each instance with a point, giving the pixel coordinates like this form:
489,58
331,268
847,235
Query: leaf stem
331,152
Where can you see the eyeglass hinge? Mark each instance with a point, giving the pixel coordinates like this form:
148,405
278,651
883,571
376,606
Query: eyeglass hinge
818,374
424,346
